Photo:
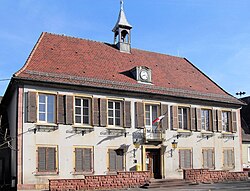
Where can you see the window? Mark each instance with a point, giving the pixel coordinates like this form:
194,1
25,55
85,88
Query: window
83,159
225,121
248,154
185,158
183,118
151,113
82,110
47,159
205,120
208,158
46,108
228,158
114,113
116,160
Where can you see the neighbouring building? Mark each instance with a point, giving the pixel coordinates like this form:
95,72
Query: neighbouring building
80,107
245,124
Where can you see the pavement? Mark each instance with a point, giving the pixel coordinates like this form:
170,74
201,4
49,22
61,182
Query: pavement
237,185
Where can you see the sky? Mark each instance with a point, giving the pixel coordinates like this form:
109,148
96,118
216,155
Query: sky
212,34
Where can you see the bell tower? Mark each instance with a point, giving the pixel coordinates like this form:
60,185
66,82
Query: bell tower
122,36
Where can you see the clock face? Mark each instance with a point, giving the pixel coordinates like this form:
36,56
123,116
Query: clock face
144,75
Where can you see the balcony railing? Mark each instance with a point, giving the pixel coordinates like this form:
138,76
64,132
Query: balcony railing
153,134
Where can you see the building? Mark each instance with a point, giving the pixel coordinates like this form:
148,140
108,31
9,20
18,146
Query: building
81,107
245,124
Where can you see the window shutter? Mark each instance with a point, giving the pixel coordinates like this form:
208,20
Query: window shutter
41,159
119,160
87,160
214,119
210,128
198,113
225,159
234,122
193,119
122,115
78,159
112,160
69,110
175,117
164,121
188,159
96,112
127,114
31,107
219,115
233,160
139,114
205,158
103,112
60,109
210,158
51,162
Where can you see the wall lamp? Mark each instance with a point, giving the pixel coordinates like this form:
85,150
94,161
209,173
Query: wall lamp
174,146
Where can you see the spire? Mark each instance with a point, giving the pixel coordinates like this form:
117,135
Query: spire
122,31
122,20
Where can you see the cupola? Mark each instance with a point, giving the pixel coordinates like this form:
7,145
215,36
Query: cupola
122,35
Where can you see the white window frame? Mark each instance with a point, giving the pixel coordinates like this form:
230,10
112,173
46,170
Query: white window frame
181,116
81,109
113,110
151,118
225,119
205,119
46,108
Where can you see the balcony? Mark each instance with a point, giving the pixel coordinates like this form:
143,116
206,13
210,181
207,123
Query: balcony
153,135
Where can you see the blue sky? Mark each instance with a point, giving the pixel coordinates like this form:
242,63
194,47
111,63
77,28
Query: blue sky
213,34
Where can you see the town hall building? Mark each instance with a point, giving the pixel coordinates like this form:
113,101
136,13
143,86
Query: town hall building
80,107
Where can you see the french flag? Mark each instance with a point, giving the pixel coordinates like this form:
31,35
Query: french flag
158,119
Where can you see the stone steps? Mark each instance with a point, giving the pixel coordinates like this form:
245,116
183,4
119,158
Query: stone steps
161,183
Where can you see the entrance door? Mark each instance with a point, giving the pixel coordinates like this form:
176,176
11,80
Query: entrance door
153,162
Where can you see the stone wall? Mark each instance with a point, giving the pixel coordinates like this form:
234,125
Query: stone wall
108,182
206,176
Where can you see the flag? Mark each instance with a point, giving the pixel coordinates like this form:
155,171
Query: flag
158,119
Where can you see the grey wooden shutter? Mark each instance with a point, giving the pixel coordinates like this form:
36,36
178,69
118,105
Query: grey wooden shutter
127,114
219,115
112,160
234,122
87,160
164,121
215,122
122,114
51,161
78,159
41,159
60,109
193,119
139,115
225,158
210,158
103,112
96,112
198,114
205,157
69,110
188,158
233,160
182,158
119,160
210,128
31,107
175,117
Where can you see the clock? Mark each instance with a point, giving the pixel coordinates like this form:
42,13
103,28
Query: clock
144,75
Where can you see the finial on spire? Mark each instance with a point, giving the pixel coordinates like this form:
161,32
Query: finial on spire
121,3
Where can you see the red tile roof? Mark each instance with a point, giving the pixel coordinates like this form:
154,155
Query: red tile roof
57,58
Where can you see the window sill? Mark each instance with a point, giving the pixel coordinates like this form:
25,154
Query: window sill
183,131
46,173
206,132
82,126
226,133
82,173
47,124
115,127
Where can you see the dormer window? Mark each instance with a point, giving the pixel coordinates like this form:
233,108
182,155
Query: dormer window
142,74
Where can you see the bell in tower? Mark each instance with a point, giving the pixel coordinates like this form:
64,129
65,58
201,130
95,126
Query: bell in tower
122,36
